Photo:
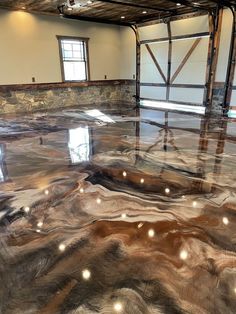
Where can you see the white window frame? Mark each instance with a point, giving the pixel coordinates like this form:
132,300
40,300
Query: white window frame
86,56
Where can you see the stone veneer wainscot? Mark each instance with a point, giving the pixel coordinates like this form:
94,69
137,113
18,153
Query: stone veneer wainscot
36,97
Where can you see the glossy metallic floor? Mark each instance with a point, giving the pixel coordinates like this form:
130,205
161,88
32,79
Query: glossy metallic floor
117,212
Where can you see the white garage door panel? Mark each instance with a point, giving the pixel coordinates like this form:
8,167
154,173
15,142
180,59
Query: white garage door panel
149,72
193,25
191,95
224,46
194,71
153,31
153,92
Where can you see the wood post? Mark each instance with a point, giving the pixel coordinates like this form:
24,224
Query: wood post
138,61
169,61
231,67
215,23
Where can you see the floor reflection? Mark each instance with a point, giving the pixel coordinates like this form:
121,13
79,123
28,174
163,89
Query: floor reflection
79,145
117,211
3,169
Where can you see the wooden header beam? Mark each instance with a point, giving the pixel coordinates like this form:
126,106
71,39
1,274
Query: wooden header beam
173,38
94,20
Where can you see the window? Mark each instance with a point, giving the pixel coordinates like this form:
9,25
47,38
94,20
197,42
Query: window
74,58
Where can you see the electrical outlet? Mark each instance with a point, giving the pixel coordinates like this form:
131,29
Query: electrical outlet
105,77
33,79
134,76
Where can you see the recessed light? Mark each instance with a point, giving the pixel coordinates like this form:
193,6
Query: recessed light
122,17
144,12
69,9
178,4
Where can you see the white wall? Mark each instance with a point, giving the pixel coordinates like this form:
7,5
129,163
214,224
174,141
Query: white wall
128,53
29,48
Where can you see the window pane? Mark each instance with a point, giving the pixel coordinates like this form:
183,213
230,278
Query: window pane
77,54
75,71
67,54
67,46
77,47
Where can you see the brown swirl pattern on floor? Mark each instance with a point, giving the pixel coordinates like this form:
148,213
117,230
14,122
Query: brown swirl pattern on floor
134,214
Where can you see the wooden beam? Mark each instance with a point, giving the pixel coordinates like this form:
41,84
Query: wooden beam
223,2
194,5
179,37
136,5
156,63
169,60
185,59
94,20
215,24
138,61
198,86
154,84
176,17
231,66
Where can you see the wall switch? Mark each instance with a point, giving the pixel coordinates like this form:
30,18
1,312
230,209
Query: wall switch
33,79
134,76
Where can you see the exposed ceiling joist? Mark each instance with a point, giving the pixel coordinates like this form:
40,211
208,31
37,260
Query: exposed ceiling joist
224,2
194,5
119,12
137,5
94,20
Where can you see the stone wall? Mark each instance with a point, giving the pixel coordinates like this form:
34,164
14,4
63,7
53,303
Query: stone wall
31,98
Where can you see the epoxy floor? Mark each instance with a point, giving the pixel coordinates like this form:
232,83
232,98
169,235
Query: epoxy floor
105,211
